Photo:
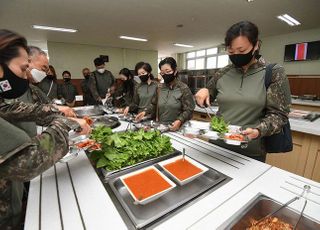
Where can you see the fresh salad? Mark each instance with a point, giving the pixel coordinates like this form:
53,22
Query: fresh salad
119,150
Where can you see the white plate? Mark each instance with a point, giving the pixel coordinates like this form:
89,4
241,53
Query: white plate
73,153
234,128
213,135
232,142
150,198
191,130
187,180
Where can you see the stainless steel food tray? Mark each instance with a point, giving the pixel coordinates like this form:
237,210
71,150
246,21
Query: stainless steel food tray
143,215
88,111
261,206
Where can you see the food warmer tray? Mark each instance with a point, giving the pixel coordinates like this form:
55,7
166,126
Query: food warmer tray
145,215
261,206
88,111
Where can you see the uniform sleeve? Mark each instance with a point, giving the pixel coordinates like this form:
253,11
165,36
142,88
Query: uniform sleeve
113,78
135,102
93,87
278,103
39,96
188,105
40,153
59,91
42,114
151,109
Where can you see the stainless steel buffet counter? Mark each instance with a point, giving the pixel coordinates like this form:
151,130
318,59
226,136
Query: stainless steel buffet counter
72,196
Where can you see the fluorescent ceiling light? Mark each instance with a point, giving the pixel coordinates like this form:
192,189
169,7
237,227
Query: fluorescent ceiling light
54,28
183,45
288,19
134,39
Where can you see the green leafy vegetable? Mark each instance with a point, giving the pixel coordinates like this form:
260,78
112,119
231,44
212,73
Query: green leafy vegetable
218,124
119,150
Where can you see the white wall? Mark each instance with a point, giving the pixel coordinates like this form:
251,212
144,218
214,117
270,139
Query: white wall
273,51
74,57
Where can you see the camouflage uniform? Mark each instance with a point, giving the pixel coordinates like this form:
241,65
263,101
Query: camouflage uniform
87,95
23,156
15,111
100,83
142,97
243,100
120,99
174,102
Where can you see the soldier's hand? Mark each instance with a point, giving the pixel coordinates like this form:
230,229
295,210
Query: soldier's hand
251,133
68,112
203,97
86,129
140,116
175,125
126,111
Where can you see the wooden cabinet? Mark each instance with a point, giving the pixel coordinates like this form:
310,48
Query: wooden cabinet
304,160
306,107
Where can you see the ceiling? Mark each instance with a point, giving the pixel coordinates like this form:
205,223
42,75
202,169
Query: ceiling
101,22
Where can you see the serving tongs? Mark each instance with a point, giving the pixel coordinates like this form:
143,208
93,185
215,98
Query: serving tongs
306,189
208,110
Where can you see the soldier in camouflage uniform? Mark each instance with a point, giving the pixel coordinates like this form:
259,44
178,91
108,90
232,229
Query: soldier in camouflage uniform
241,93
23,155
173,102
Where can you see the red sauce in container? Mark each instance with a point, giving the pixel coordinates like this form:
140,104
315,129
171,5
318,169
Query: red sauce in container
146,184
182,169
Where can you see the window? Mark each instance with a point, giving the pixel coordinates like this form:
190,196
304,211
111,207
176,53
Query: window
200,63
223,60
211,62
212,51
210,58
191,55
201,53
191,64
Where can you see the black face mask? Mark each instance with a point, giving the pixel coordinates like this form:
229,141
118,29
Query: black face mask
144,78
167,78
66,80
12,86
240,60
86,76
51,77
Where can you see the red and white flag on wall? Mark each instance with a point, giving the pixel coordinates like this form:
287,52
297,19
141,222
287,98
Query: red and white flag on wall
301,51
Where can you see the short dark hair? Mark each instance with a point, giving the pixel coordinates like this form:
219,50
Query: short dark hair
126,72
98,61
67,72
243,28
170,61
144,65
10,42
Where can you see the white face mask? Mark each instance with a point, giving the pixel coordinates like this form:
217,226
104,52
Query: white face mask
38,75
101,70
